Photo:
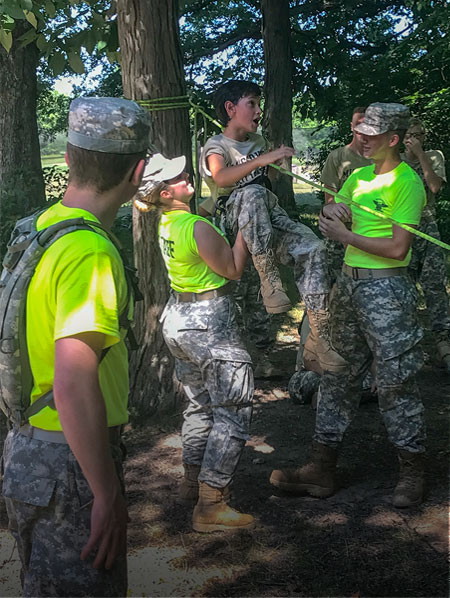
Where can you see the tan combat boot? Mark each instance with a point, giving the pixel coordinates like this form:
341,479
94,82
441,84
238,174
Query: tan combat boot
316,478
319,344
410,487
188,490
443,349
212,513
274,298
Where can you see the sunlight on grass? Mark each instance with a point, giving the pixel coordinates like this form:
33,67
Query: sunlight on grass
52,160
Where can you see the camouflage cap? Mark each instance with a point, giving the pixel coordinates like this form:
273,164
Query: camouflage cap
110,125
380,118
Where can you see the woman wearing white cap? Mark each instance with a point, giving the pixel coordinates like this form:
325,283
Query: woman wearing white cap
199,327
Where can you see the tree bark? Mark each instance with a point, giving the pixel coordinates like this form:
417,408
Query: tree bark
21,181
152,67
277,121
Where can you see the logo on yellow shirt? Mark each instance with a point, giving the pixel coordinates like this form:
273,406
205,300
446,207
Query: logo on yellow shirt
379,205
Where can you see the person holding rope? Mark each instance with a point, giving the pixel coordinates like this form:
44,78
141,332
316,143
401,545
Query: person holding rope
200,330
235,167
427,264
373,311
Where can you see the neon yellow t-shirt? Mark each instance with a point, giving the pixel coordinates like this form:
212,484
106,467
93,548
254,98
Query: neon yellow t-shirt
78,286
398,194
186,269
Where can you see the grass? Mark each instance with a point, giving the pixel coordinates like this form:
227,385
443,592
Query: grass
52,159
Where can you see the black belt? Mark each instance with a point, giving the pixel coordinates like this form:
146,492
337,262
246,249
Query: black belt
226,289
115,433
372,273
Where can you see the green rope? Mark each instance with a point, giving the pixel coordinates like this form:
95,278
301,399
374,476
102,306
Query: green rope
153,100
350,202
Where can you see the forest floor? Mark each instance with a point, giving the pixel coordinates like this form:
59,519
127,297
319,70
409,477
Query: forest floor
352,544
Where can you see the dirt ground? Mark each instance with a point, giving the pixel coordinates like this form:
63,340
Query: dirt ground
352,544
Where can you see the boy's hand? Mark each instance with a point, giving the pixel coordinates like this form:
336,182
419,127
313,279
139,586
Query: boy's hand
108,531
337,210
413,145
276,156
334,228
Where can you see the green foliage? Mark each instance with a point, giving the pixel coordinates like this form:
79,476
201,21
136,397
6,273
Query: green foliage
52,111
443,217
55,179
66,33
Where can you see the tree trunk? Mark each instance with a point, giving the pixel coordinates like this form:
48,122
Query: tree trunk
21,180
152,67
277,121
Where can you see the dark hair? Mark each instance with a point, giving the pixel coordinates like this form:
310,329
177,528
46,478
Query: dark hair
233,91
416,122
401,135
99,170
359,110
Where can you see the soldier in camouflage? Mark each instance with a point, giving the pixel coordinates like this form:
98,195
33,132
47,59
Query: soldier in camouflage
62,472
427,265
200,329
373,312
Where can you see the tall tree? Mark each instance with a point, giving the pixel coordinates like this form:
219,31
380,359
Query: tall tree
277,121
21,180
152,67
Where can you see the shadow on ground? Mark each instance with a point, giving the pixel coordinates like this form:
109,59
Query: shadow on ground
352,544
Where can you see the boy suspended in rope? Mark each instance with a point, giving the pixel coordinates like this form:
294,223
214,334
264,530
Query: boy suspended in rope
235,167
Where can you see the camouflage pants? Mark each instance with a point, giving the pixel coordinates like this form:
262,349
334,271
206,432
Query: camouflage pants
251,314
49,509
335,258
216,373
254,210
374,317
428,268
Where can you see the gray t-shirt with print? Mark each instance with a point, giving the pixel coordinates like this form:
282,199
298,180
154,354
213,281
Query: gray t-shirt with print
234,153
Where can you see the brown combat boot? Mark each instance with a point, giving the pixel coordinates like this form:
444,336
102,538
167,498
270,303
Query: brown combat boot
443,349
319,343
274,298
410,488
212,513
316,478
188,489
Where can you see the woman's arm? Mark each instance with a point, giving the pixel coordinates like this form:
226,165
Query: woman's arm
226,261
